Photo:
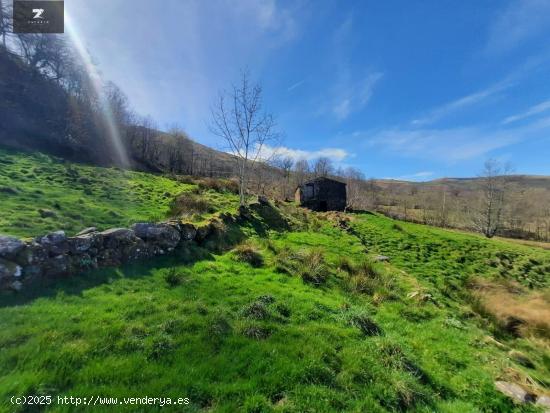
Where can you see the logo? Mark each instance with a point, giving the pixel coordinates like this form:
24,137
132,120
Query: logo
38,13
38,16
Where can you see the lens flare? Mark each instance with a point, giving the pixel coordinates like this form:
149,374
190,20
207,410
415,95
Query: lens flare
99,90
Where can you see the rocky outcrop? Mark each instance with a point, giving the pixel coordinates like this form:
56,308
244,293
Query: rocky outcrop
55,254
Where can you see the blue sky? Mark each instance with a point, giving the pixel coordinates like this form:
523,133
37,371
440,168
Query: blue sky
401,89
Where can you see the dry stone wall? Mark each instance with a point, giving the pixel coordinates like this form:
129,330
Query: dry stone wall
57,255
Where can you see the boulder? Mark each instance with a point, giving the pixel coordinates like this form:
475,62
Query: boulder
87,231
10,246
381,258
55,242
515,392
57,266
188,232
9,269
161,235
83,243
114,237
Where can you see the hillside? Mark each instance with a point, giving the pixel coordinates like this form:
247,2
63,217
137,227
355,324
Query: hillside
287,311
40,193
452,201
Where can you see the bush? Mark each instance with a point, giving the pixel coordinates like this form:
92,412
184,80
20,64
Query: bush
309,264
188,204
256,332
313,267
219,185
249,254
173,277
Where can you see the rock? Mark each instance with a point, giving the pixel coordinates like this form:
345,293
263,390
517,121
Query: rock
9,269
514,391
87,231
10,246
544,402
114,236
521,359
381,258
188,232
56,266
203,233
16,286
161,235
83,243
55,242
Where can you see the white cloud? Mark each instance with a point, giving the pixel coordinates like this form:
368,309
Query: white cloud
454,144
520,21
461,103
353,96
335,154
295,85
532,111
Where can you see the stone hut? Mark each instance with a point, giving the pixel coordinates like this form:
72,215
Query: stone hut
322,194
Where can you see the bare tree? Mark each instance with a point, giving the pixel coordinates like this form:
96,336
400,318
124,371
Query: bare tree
285,164
301,171
487,217
323,167
239,119
354,182
5,21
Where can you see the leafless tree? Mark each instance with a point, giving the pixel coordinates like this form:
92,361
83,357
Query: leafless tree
301,171
354,187
239,119
487,217
5,21
285,164
323,167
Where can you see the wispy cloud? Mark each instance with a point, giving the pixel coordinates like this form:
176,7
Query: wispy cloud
532,111
519,21
354,96
453,145
335,154
295,85
461,103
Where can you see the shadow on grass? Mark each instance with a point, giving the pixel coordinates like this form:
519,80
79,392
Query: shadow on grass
217,243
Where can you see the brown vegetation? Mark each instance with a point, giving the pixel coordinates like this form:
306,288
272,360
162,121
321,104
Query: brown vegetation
513,308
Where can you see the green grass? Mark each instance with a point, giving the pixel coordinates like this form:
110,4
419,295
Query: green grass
296,318
40,193
234,337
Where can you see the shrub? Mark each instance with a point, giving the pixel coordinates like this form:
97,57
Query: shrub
219,185
256,332
188,204
257,310
313,268
160,346
249,254
309,264
173,277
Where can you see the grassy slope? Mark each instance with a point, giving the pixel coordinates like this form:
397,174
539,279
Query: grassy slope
78,196
128,332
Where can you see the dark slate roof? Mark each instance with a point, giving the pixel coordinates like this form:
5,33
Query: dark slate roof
323,179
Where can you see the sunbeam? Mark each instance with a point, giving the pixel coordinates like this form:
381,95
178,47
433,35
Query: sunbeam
98,88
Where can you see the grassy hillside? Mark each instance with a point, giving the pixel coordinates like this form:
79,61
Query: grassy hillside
290,321
40,193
